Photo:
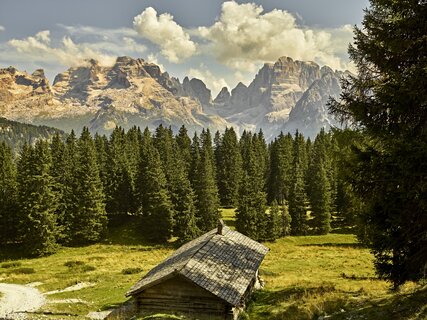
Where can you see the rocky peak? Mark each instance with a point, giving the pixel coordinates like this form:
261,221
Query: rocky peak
77,82
197,89
310,113
15,84
239,97
223,97
39,73
124,60
302,73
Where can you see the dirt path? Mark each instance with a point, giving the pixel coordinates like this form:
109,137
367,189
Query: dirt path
18,299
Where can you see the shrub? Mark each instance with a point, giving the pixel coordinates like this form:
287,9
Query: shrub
23,270
74,263
86,268
131,270
79,266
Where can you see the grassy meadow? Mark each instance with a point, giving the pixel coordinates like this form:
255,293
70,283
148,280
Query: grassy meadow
312,277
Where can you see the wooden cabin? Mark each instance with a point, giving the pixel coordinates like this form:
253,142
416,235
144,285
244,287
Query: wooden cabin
210,277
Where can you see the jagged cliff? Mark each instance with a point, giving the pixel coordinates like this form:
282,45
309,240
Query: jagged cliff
273,100
285,96
131,92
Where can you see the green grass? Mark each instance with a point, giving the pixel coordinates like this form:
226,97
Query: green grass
228,216
305,277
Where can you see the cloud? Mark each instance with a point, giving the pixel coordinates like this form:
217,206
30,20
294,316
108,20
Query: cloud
162,30
101,33
2,28
118,41
212,82
245,36
65,51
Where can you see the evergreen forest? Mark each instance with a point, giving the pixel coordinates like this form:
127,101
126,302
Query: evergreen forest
68,190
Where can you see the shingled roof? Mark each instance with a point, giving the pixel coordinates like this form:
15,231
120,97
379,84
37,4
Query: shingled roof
223,263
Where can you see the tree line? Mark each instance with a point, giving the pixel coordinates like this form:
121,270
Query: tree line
67,191
15,134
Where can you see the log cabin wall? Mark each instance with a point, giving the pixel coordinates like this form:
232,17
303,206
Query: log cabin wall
180,296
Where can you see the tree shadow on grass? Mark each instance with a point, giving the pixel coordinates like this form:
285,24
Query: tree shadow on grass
127,231
263,302
400,306
12,251
335,245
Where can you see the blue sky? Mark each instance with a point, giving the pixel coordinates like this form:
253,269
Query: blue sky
221,42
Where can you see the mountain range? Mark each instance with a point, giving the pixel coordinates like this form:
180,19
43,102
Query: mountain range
284,96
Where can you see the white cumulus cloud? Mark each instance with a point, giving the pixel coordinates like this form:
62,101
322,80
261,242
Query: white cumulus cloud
175,43
245,36
68,53
2,28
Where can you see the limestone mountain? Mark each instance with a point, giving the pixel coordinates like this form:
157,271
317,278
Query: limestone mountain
273,100
30,98
285,95
310,113
131,92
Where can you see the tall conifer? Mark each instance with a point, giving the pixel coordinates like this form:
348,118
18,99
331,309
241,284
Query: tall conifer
229,168
88,221
8,196
37,200
319,190
204,183
153,196
297,193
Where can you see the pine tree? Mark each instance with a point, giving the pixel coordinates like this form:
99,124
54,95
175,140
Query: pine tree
8,196
184,144
57,171
87,223
204,183
101,146
251,217
37,200
320,199
119,191
207,190
69,199
273,225
195,161
319,192
183,201
297,194
348,204
153,197
286,221
163,141
387,99
229,168
262,155
179,188
280,172
132,148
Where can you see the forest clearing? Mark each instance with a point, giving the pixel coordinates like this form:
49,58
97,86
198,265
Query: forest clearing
306,277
